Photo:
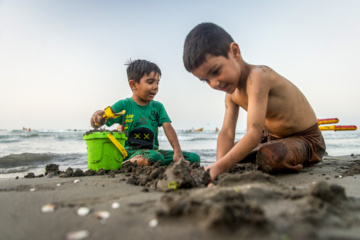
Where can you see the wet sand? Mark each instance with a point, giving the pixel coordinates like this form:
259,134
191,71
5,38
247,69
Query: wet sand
321,202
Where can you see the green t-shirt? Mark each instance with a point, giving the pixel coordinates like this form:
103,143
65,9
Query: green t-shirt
150,116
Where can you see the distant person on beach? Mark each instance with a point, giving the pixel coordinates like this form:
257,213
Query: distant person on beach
143,118
282,131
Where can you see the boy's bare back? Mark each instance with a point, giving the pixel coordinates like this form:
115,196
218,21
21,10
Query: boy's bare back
282,119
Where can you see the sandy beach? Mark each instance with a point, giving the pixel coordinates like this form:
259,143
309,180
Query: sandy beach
321,202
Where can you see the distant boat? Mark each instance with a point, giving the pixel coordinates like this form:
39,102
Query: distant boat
198,130
195,130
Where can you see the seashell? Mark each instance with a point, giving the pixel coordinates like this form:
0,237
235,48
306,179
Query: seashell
58,185
32,189
83,211
153,223
77,235
76,181
115,205
340,176
48,208
102,214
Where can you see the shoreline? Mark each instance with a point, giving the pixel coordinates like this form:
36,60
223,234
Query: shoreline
287,203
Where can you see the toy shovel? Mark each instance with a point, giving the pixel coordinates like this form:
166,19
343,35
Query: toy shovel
110,114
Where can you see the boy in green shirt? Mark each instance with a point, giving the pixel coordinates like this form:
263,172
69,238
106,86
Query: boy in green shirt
143,118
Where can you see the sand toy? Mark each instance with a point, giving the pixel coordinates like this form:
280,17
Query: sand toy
110,114
334,127
105,149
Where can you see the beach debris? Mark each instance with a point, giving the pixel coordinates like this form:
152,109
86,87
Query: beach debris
115,205
29,175
77,235
78,173
32,189
153,223
89,172
76,181
182,175
68,173
48,208
328,192
52,168
352,170
100,172
103,215
173,185
83,211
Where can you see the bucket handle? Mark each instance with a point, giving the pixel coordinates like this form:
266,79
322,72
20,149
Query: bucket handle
118,145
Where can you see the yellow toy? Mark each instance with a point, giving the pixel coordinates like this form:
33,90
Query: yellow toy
334,127
110,114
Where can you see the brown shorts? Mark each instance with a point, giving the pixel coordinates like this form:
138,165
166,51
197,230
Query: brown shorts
290,154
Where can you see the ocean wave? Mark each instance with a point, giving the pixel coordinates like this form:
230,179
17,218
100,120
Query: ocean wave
62,137
31,135
31,159
24,159
10,140
14,170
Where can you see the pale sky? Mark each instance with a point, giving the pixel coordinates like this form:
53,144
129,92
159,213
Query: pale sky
60,61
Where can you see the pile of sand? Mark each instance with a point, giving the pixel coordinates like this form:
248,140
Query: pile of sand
255,203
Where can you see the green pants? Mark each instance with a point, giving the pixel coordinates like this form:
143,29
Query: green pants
165,156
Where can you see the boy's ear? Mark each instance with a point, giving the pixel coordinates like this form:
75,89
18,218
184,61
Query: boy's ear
132,84
235,50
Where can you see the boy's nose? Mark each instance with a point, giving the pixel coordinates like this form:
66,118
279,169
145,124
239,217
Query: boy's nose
214,83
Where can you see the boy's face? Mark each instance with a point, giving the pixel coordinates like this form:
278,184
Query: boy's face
219,72
145,91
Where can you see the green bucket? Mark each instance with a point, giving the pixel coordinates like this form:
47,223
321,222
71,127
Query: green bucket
102,152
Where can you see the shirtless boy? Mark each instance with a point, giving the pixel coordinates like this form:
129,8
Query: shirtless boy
282,131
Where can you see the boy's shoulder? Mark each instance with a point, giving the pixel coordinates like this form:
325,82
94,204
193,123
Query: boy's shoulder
261,71
157,104
263,77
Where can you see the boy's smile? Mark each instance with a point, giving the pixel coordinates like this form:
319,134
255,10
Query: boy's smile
219,72
144,91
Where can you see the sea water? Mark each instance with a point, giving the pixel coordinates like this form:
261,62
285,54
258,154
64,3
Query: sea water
23,151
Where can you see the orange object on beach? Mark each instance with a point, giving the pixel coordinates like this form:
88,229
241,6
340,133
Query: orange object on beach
338,128
327,121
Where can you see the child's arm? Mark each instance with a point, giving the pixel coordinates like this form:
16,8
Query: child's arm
97,119
226,135
257,90
173,140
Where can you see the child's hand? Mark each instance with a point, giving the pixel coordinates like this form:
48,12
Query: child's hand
119,128
214,170
97,119
178,157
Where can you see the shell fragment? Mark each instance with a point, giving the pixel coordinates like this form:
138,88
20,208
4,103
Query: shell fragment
77,235
153,223
48,208
102,215
115,205
83,211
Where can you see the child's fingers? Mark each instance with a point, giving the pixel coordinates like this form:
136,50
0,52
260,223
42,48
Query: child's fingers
97,120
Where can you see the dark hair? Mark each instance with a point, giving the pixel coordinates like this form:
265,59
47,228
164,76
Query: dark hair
138,68
205,38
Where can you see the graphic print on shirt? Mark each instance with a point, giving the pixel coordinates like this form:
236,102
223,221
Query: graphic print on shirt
143,121
154,117
128,119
